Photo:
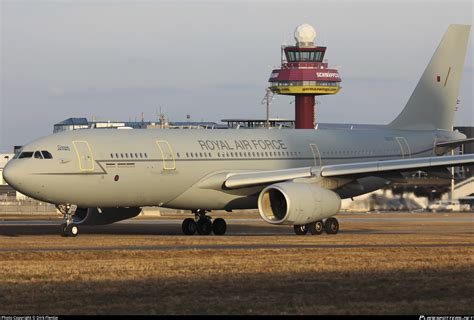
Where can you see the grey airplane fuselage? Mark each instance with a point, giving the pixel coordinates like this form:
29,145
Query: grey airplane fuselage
174,168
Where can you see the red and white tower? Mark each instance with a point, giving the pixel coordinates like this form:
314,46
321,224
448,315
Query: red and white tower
304,74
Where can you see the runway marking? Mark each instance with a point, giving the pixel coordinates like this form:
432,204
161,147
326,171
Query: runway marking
242,221
240,247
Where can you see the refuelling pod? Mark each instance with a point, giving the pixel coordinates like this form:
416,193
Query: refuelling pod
297,203
101,216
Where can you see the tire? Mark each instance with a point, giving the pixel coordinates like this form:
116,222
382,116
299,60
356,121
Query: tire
316,228
331,226
204,227
189,226
72,230
63,230
219,226
300,230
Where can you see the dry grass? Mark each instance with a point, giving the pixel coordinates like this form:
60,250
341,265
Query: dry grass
428,273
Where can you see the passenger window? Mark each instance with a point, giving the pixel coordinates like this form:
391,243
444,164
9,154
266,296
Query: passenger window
46,154
146,156
112,155
136,155
38,155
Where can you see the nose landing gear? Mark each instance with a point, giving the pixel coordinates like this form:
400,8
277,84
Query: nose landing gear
203,224
69,228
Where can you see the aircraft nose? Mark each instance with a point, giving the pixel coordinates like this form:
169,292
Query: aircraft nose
12,174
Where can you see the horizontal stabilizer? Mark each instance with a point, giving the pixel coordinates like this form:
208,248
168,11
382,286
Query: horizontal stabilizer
454,143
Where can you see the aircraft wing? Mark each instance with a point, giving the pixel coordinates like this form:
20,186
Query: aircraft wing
372,168
376,167
247,179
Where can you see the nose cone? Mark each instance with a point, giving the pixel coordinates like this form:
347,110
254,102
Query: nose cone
12,174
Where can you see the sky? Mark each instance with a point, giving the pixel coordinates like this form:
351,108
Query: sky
114,60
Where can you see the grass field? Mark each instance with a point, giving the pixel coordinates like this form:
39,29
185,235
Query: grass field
359,273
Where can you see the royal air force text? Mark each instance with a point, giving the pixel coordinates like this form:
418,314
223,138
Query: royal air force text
230,145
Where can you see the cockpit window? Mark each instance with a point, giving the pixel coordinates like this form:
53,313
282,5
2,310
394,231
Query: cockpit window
46,154
26,154
38,155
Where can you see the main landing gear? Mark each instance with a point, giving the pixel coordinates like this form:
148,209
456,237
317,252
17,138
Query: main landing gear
69,228
203,225
331,226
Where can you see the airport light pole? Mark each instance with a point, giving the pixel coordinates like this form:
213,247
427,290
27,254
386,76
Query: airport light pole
267,100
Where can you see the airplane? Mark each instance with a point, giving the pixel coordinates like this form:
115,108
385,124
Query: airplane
294,177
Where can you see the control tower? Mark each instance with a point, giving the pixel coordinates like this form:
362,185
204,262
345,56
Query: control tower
304,74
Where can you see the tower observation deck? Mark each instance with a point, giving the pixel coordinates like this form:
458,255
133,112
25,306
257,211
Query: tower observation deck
304,74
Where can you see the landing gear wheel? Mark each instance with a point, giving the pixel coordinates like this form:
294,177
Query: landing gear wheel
301,229
63,230
219,226
71,230
331,226
204,226
316,228
189,226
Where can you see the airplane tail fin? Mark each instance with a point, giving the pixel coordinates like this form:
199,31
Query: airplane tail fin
432,104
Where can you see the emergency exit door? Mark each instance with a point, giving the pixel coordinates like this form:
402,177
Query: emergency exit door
404,147
166,154
316,154
84,155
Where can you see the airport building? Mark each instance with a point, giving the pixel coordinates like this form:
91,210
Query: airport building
304,74
5,189
83,123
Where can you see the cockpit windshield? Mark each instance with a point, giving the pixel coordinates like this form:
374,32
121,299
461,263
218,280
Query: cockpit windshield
36,154
46,154
25,154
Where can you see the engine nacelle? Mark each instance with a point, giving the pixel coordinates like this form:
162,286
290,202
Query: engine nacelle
296,203
100,216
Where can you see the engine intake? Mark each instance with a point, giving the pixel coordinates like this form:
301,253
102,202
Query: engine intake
297,203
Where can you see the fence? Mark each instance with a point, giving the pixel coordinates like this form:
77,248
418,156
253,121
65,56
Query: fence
10,205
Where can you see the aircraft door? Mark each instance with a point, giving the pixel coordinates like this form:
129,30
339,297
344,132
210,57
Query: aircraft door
404,147
84,155
316,154
166,154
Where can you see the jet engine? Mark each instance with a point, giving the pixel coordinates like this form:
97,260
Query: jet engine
100,216
294,203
